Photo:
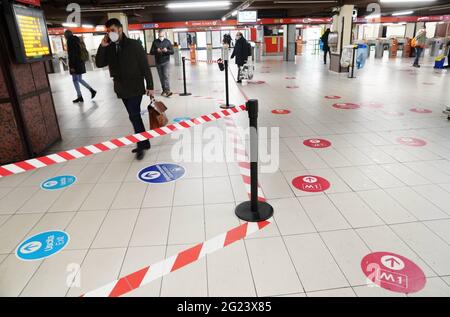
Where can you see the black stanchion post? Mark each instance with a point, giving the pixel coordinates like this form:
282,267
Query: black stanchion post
353,62
253,210
185,93
226,105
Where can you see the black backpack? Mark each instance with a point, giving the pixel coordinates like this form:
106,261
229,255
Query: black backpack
249,49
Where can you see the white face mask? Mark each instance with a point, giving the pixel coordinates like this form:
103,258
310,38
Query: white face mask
113,36
161,38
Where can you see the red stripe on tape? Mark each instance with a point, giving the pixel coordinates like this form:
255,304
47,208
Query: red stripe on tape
236,234
5,172
206,118
172,127
216,115
146,135
66,156
24,165
187,256
184,124
244,165
132,138
101,147
263,224
84,151
120,288
246,179
46,160
117,142
135,279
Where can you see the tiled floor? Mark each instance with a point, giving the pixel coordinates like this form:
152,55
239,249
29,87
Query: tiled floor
384,196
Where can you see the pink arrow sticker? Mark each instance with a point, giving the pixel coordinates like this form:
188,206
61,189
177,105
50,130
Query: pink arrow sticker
317,143
393,272
411,141
310,183
281,111
332,97
420,110
346,105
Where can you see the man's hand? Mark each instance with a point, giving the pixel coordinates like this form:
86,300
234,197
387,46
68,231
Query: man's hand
105,41
164,50
72,70
150,93
159,50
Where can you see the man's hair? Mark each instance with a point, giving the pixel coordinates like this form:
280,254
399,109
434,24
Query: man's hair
112,22
328,29
67,33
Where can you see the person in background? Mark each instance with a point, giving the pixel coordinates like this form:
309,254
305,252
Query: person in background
420,39
162,49
128,66
326,48
77,66
227,39
241,51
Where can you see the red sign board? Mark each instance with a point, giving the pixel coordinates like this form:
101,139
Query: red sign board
310,183
393,272
36,3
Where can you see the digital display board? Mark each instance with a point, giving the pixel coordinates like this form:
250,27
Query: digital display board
247,17
28,32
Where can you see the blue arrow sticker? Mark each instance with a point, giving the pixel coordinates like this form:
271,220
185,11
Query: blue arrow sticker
42,245
180,119
161,173
58,182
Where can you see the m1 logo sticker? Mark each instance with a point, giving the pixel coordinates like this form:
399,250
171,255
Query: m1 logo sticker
332,97
281,111
317,143
310,183
411,141
346,106
393,272
420,110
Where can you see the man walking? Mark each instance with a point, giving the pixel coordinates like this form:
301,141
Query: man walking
162,49
420,41
128,66
241,51
326,47
77,65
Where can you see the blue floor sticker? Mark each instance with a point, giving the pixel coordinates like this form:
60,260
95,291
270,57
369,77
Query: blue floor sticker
161,173
42,245
179,119
58,182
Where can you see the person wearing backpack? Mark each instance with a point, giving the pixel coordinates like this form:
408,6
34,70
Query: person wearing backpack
77,55
418,42
326,47
242,50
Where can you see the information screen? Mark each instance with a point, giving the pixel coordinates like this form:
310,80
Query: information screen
29,33
247,17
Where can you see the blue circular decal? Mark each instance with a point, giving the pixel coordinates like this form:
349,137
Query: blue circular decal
180,119
42,245
58,182
161,173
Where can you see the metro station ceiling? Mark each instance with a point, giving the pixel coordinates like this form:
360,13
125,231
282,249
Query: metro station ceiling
95,11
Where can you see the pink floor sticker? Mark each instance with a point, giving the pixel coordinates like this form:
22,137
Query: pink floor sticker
289,77
332,97
346,105
256,82
281,111
317,143
411,141
420,110
292,87
310,183
393,272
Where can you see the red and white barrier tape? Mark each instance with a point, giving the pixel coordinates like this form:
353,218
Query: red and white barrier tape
202,61
153,272
64,156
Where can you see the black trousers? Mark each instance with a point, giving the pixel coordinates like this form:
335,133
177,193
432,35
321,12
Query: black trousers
326,50
133,106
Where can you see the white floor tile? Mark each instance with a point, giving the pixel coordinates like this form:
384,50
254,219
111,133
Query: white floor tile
187,225
272,269
14,275
436,195
152,227
72,198
188,192
217,190
101,196
13,231
314,263
355,178
290,216
83,228
339,292
130,195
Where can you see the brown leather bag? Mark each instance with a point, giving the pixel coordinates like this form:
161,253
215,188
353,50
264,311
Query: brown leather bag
157,116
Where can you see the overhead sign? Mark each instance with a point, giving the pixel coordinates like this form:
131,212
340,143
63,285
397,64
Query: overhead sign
42,245
393,272
36,3
250,16
161,173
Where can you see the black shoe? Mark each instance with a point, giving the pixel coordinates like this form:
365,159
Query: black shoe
145,148
140,153
169,93
79,99
93,93
239,81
